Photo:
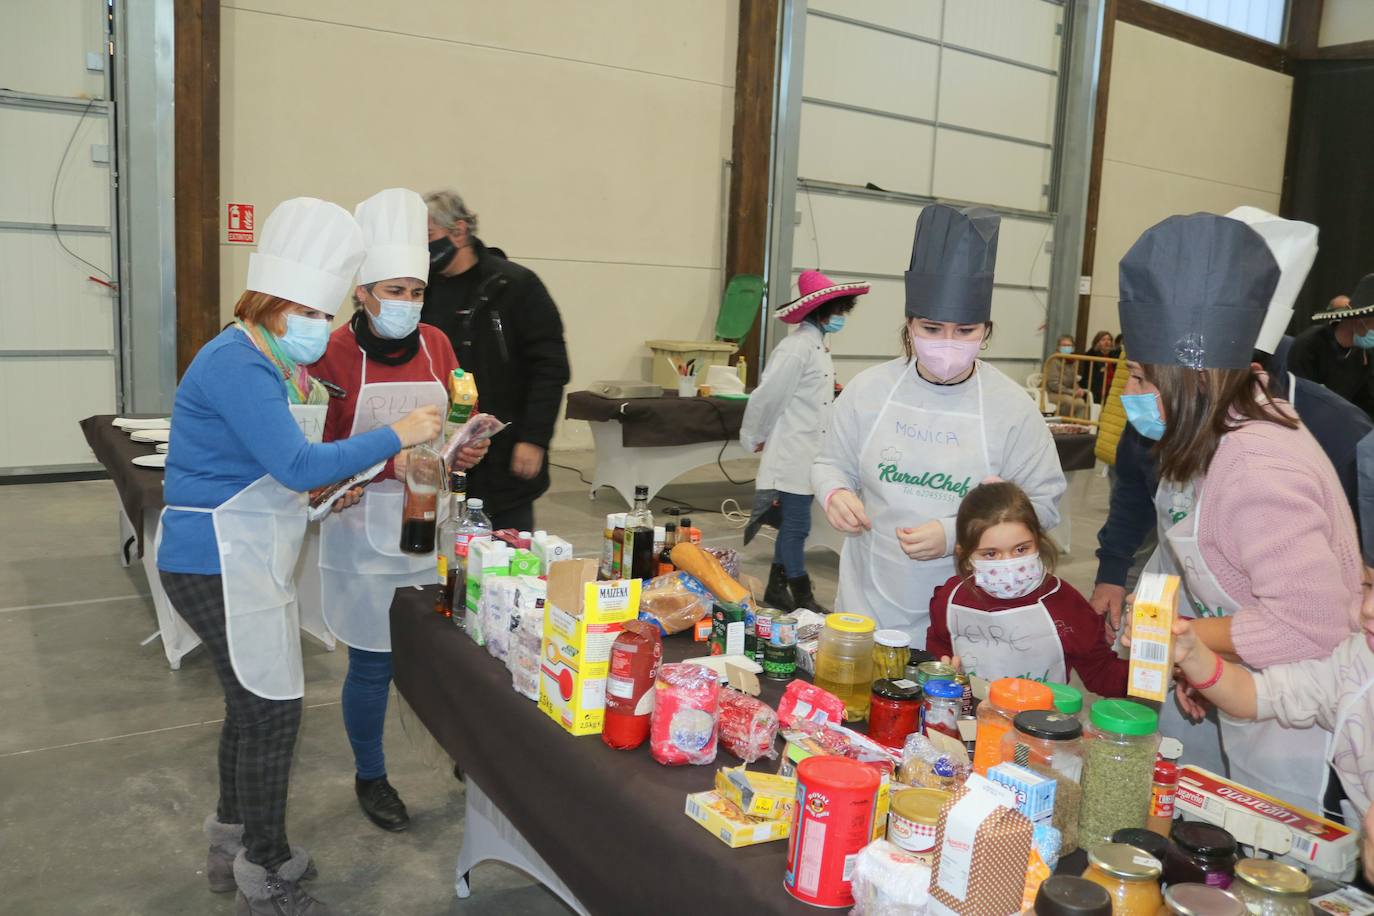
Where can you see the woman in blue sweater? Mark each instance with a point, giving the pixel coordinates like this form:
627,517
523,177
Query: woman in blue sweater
245,448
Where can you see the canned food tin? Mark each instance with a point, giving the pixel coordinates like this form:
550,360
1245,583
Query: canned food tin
779,662
784,632
763,630
837,799
912,819
934,671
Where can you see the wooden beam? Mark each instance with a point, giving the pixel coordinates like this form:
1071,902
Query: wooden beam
755,68
1104,79
1355,50
196,143
1203,34
1304,25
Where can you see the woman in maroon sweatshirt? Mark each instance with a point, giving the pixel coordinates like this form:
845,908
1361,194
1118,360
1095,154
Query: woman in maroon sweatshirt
1004,613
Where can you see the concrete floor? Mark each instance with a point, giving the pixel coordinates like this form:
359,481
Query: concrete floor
107,757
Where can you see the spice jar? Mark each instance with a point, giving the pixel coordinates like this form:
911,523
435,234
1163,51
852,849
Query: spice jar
1272,888
1118,767
1144,839
1165,786
1006,697
1201,900
1065,895
891,651
1068,700
1200,854
895,711
844,661
941,707
1130,877
1048,743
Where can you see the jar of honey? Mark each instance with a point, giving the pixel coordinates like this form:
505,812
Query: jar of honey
1130,877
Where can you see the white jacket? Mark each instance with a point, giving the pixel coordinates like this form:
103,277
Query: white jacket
790,410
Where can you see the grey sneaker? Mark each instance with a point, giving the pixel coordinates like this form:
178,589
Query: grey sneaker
225,842
278,893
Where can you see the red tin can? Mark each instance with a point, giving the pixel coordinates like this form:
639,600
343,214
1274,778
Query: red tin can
833,820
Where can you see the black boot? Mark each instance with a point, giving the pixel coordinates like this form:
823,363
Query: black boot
381,804
776,594
802,595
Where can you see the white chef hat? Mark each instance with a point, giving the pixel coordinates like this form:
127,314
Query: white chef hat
1294,246
309,254
395,225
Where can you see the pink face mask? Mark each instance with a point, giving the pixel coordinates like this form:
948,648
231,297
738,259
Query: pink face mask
945,359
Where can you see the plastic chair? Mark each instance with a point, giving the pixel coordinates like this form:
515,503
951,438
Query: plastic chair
739,307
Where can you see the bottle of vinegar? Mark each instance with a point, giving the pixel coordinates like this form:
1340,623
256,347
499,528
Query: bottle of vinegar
420,515
639,558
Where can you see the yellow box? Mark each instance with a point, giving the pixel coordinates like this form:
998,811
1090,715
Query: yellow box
1152,637
577,644
766,795
734,828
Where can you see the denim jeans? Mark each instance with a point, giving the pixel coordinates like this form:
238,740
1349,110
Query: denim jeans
366,688
790,547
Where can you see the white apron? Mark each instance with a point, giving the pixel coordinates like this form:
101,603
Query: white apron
904,486
1288,763
361,563
1341,755
1017,642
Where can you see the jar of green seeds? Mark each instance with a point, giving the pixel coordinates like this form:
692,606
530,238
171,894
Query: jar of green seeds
1119,748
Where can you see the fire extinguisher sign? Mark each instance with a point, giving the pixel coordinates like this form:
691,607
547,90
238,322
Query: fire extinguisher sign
241,223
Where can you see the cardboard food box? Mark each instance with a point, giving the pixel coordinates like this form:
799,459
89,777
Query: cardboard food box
734,828
982,847
582,618
1152,637
1297,836
764,795
486,559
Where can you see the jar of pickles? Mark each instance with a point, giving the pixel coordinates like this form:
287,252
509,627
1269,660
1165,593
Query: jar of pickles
1130,877
1118,769
1048,743
1272,888
1201,900
1200,854
891,652
844,662
1006,697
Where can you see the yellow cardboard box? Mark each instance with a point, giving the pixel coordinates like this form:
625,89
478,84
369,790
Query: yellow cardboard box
1152,637
734,828
766,795
582,621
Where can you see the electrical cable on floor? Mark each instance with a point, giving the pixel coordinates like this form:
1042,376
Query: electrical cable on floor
57,178
577,471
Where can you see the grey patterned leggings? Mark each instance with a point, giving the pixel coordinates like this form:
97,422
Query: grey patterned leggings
258,739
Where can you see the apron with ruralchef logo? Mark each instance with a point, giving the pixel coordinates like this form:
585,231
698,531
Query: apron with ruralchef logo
361,563
905,484
1018,642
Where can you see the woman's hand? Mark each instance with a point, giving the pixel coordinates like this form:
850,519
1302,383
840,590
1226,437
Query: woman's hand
351,498
845,512
421,425
1193,704
926,542
469,455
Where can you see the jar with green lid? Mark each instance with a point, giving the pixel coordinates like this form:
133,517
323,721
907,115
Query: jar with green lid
1130,877
1272,888
1068,700
1201,900
1119,748
1048,743
891,652
844,662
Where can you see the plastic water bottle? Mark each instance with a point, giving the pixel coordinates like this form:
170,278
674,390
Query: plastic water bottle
474,527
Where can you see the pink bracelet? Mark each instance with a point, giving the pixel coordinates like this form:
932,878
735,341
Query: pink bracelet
1212,681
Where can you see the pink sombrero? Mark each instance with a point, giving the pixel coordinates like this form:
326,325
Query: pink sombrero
816,289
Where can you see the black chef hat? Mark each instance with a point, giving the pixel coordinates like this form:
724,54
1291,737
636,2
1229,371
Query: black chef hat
1194,292
952,259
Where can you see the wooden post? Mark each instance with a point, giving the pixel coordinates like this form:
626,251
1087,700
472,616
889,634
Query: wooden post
196,142
1104,78
755,70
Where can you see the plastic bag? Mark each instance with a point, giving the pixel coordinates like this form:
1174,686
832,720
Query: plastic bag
686,710
748,726
804,700
926,766
889,881
728,558
674,602
478,427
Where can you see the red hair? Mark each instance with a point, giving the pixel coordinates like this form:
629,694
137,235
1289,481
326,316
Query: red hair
263,309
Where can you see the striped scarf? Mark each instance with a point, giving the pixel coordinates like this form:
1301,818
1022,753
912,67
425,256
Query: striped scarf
300,387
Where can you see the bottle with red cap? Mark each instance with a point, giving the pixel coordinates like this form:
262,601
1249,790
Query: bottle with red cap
635,656
1165,786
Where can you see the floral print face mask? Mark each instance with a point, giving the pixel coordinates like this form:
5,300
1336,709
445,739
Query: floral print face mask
1014,577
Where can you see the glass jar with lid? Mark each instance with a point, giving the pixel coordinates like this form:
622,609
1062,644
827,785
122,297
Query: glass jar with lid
1066,895
891,652
895,711
1142,838
1272,888
1201,900
943,701
1130,877
1118,769
1048,743
1006,697
1200,854
844,661
1068,700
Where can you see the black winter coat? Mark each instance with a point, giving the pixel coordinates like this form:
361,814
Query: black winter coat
506,330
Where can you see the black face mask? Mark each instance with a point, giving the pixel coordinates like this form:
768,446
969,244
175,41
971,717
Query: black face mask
441,251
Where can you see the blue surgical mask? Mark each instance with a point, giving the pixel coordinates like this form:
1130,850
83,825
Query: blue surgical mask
1142,410
305,339
833,325
1365,341
1066,349
396,319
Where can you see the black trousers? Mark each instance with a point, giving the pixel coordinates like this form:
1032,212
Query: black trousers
258,738
520,518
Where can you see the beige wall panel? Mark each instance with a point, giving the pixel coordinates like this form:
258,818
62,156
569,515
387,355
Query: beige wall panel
998,172
1103,315
75,314
1135,198
43,45
1021,105
1021,30
694,41
1183,109
44,423
855,148
26,182
872,327
1346,21
878,70
918,17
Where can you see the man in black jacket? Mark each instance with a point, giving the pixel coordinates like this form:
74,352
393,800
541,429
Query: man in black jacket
506,331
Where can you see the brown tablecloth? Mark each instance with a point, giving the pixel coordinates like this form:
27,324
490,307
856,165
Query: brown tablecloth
139,489
1076,451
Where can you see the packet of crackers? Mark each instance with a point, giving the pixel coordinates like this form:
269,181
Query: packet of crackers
1152,637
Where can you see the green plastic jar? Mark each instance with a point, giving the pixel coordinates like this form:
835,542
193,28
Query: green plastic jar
1068,700
1119,748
